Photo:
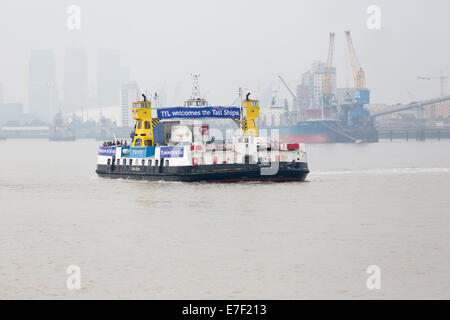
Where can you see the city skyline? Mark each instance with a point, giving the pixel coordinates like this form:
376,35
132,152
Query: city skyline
282,40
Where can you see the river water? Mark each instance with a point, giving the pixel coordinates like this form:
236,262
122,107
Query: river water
384,204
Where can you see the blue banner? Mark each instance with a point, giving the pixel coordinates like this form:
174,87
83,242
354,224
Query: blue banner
107,151
142,152
191,112
171,152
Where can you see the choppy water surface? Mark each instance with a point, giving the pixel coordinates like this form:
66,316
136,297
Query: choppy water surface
386,204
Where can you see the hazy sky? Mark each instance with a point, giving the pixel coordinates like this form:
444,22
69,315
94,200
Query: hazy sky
233,43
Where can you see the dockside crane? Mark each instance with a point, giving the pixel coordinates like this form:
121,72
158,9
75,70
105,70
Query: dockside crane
294,97
442,79
298,112
327,89
358,115
358,75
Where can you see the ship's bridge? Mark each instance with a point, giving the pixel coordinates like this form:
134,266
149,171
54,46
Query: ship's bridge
196,103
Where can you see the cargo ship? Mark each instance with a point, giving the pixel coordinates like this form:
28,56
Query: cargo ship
189,153
324,131
327,125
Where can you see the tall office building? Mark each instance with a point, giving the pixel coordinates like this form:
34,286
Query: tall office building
314,80
75,80
109,78
129,93
41,84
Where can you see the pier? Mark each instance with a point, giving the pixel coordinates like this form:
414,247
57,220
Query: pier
414,133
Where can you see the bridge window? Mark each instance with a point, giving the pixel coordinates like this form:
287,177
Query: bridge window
139,124
147,124
148,143
138,142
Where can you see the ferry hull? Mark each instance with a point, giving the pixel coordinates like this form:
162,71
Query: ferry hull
209,173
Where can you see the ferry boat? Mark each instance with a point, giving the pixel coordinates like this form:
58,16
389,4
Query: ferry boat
186,152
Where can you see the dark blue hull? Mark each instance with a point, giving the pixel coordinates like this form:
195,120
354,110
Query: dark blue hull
208,173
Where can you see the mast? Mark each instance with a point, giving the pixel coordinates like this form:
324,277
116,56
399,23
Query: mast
242,111
195,86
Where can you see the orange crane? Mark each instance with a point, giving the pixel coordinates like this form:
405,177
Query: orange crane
358,115
359,77
442,79
326,85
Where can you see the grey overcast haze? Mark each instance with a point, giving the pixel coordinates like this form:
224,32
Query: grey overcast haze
233,43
